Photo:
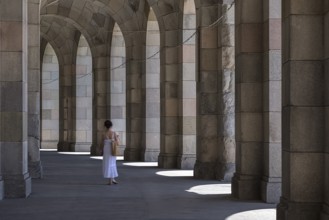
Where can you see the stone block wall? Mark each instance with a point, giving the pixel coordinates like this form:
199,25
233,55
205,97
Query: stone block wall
50,99
152,90
187,94
84,91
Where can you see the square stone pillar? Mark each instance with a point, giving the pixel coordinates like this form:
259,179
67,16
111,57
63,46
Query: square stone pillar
325,212
101,99
304,111
207,92
271,181
169,95
135,98
14,98
67,91
249,99
35,168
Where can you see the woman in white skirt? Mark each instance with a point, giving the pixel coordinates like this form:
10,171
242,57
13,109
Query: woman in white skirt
109,161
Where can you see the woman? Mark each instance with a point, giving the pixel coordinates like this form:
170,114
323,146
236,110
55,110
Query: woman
109,161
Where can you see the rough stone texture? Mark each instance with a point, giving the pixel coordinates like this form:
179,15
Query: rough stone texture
226,84
207,93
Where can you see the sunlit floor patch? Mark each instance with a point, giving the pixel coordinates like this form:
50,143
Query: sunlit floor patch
97,157
74,153
259,214
119,158
48,150
211,189
142,164
176,173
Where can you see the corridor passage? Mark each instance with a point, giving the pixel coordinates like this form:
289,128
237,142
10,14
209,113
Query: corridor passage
73,189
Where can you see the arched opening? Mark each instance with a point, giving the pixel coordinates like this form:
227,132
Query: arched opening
49,99
118,85
152,90
84,91
187,146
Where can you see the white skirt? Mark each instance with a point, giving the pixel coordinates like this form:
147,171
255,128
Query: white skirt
109,161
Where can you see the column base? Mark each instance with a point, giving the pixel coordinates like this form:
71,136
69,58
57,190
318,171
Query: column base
35,170
325,212
63,146
150,155
225,171
186,161
49,145
80,147
95,151
298,211
132,154
246,187
17,186
205,170
2,189
167,161
271,190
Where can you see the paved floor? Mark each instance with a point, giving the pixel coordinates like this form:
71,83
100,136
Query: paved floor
73,189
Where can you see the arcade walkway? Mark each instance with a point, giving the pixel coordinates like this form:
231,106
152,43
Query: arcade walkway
73,189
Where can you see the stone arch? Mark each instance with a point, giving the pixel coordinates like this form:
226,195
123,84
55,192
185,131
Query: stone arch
64,37
100,54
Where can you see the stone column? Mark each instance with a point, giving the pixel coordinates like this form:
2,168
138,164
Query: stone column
249,99
101,98
169,89
325,212
35,168
226,92
271,182
14,98
207,92
135,110
187,103
304,113
152,90
67,94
